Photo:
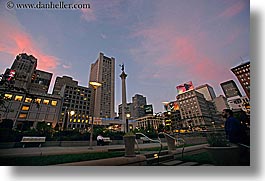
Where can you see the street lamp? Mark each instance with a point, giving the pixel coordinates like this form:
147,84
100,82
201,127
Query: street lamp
95,85
127,122
69,113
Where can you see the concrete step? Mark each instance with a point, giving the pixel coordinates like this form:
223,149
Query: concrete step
206,165
154,161
151,154
189,164
172,163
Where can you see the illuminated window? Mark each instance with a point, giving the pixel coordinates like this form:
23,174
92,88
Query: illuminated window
28,99
70,120
37,101
18,98
54,103
78,120
25,108
74,120
86,121
23,116
8,96
45,101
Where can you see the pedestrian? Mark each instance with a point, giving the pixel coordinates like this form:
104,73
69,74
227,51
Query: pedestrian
233,128
100,141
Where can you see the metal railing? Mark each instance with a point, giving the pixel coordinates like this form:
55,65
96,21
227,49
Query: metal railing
176,141
151,140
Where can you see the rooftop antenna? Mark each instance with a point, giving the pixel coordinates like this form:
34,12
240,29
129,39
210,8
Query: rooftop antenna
242,59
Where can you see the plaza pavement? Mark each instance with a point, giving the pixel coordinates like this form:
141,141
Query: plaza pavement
36,151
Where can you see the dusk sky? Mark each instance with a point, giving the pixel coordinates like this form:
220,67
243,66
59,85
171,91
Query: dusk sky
163,43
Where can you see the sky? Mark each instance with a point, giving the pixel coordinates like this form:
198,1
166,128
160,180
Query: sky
161,43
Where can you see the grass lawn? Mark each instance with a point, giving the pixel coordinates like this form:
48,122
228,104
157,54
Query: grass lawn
202,158
56,159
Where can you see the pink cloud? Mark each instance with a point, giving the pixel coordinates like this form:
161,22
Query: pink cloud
170,50
233,10
15,40
88,15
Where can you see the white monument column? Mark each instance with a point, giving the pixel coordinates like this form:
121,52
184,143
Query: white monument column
124,101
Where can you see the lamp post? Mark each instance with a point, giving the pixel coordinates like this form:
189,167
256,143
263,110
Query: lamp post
69,113
127,122
95,85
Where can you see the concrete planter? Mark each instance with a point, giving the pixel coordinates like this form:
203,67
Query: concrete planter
170,143
129,142
224,156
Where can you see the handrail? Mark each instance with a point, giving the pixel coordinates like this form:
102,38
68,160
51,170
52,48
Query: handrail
155,141
176,139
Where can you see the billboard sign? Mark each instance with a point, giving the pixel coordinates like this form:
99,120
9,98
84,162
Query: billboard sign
185,87
171,106
148,109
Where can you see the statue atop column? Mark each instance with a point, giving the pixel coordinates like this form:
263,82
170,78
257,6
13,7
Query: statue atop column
122,67
124,101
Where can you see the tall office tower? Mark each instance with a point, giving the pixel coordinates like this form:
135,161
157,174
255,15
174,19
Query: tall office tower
207,91
242,73
60,82
24,66
139,101
103,71
40,82
230,89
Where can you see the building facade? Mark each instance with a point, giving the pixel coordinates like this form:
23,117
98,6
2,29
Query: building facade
230,89
149,122
26,110
103,71
128,110
24,91
195,111
75,110
139,101
40,82
207,91
61,81
242,73
221,103
239,103
24,66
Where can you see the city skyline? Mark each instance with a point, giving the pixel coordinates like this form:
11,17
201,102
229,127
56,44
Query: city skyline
161,44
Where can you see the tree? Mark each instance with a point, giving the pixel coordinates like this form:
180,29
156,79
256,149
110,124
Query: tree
6,123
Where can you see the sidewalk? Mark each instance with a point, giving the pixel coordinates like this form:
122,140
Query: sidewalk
36,151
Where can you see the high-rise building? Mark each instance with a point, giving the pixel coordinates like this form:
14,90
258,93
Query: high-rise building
195,110
60,82
40,82
103,71
230,89
242,73
26,89
128,110
75,111
221,103
207,91
139,101
24,66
